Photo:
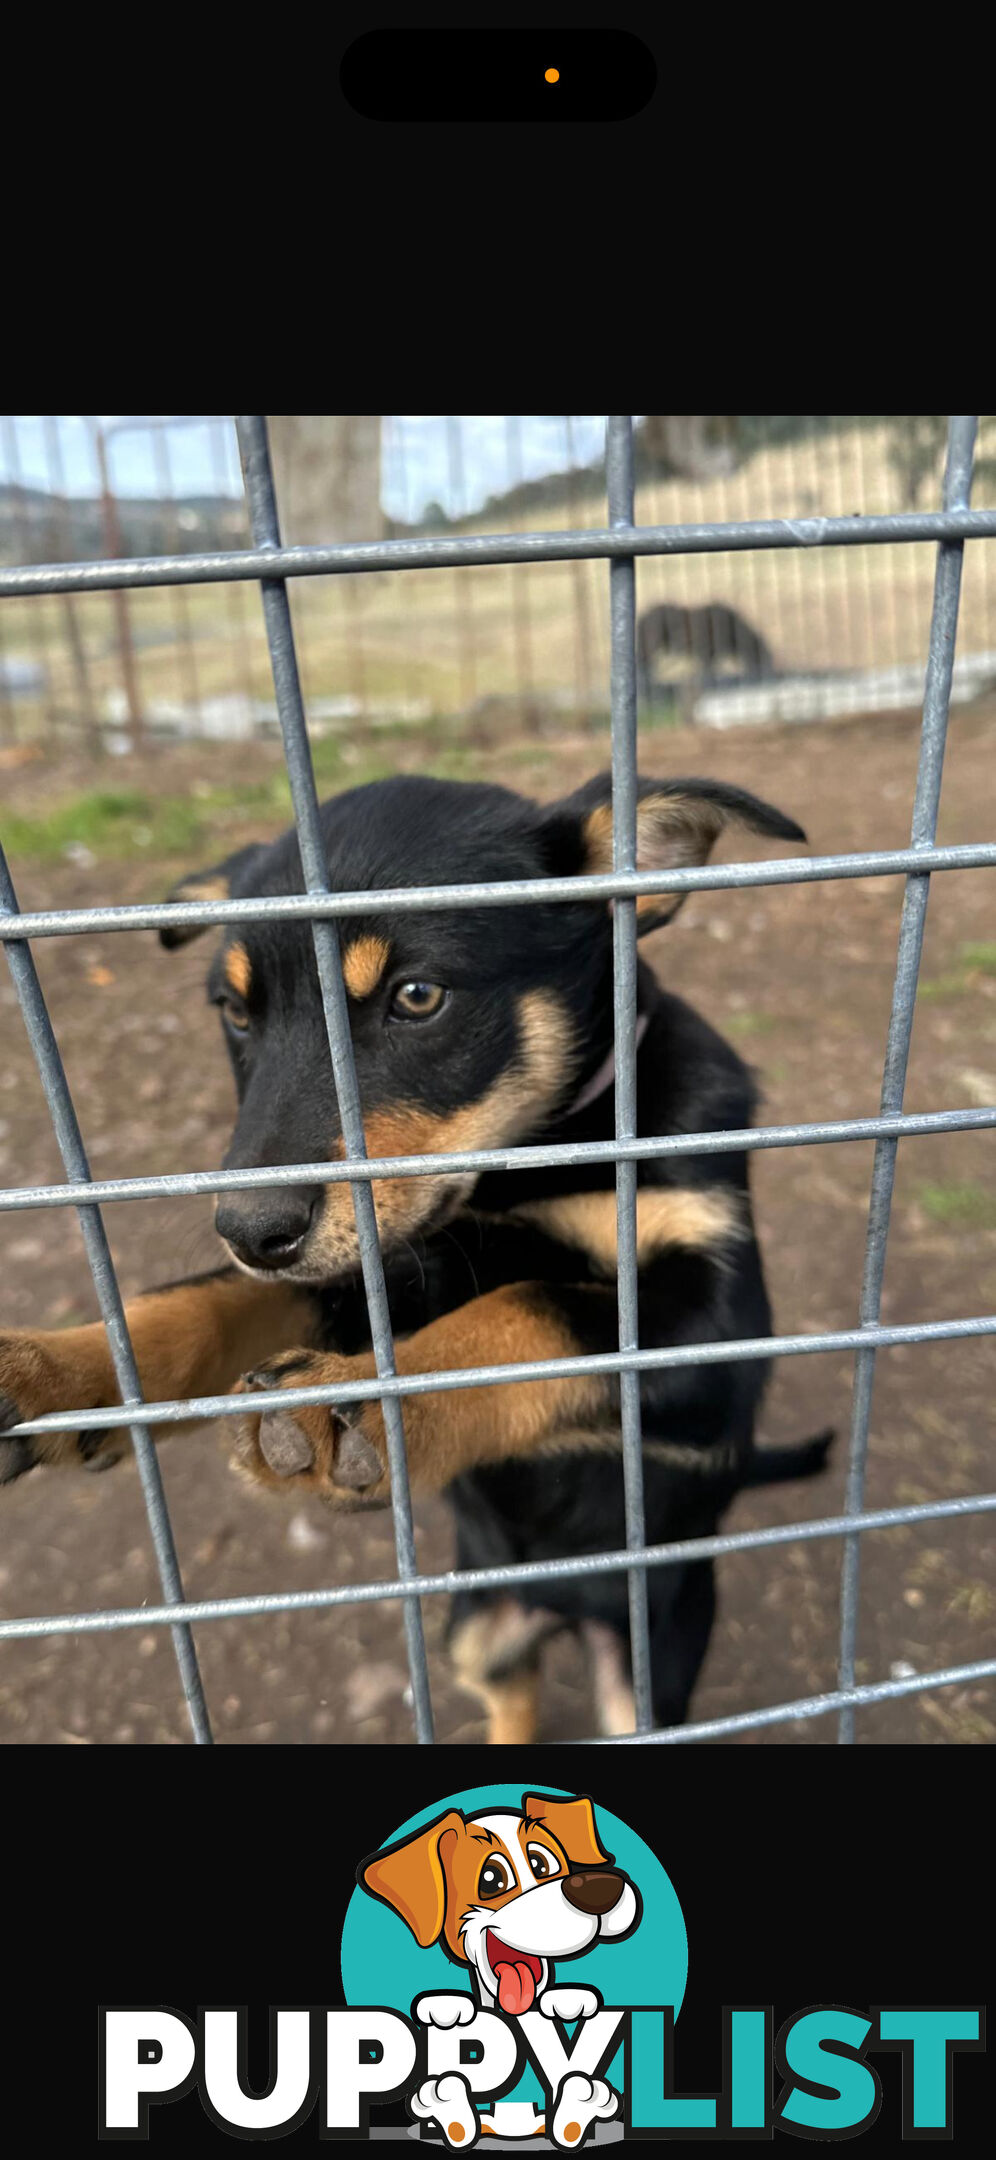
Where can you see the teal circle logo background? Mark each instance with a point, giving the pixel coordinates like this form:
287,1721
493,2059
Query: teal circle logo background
382,1964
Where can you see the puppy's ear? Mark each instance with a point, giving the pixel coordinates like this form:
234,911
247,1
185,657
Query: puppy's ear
572,1823
677,825
410,1878
226,880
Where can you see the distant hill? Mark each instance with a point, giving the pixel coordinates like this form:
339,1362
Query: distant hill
38,527
548,499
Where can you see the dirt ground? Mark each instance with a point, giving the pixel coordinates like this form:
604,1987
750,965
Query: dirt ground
801,979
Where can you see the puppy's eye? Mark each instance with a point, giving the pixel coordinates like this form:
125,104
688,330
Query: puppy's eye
417,1000
541,1861
494,1879
234,1013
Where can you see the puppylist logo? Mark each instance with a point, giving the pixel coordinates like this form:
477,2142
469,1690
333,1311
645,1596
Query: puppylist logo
512,1966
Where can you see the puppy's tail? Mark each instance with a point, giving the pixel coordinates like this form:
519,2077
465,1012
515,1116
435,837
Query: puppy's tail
770,1466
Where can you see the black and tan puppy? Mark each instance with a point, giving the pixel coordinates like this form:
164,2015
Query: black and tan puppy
471,1030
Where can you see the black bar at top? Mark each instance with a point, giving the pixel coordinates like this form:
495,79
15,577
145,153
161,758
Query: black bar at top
466,76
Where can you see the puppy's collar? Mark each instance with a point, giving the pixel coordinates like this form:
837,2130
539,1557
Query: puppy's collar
605,1075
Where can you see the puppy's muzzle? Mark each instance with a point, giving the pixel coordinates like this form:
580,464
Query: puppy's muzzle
593,1890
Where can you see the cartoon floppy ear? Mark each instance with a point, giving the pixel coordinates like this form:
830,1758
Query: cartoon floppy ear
677,825
411,1879
573,1825
228,880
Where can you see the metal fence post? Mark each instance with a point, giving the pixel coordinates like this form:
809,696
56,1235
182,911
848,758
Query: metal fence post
622,581
264,523
70,1140
936,704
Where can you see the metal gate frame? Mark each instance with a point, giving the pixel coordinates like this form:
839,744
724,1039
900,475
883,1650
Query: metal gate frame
620,543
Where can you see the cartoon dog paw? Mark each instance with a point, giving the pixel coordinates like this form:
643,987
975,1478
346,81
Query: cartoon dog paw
569,2003
445,2010
446,2100
580,2102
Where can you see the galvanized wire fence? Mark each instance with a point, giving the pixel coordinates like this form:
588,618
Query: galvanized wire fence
622,542
745,636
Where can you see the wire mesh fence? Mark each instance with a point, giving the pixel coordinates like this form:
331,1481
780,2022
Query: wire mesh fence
790,634
624,543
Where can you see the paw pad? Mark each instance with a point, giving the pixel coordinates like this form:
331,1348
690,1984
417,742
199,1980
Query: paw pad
357,1463
284,1444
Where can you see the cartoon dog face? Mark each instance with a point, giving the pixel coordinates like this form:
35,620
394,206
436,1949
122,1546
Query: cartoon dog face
506,1893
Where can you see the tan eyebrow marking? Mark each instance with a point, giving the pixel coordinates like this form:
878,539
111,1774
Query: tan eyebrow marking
363,964
238,972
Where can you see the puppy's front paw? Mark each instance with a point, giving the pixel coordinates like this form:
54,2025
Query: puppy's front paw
39,1377
568,2003
446,2100
580,2102
26,1390
445,2010
340,1454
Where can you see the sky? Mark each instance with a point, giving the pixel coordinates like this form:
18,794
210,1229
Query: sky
425,458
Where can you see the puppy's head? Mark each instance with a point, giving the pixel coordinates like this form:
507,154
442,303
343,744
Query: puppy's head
507,1892
470,1028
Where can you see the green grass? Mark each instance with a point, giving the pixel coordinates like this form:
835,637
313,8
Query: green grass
972,960
959,1206
942,986
750,1023
117,823
121,822
981,958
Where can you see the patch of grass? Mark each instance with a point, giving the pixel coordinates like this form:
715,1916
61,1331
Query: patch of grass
973,960
942,986
108,822
118,823
750,1023
661,712
979,957
963,1207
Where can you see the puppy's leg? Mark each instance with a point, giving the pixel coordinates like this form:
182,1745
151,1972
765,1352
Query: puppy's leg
513,1709
342,1452
679,1639
612,1677
495,1652
191,1339
510,1696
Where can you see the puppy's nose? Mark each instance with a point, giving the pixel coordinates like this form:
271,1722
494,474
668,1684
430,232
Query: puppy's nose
593,1890
268,1228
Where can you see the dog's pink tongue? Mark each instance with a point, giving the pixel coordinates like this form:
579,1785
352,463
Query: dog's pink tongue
516,1989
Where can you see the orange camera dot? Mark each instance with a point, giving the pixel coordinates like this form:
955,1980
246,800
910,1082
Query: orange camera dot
552,75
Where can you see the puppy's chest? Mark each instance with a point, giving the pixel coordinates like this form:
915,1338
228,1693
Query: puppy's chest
574,1236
